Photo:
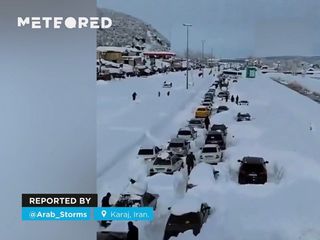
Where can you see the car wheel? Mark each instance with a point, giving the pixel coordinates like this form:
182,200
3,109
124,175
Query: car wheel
196,231
241,181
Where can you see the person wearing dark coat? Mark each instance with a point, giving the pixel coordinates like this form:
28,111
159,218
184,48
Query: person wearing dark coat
134,95
227,98
232,98
190,162
207,122
106,200
105,203
237,99
168,93
159,94
133,233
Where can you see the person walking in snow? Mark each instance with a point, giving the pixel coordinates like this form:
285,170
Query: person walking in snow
168,93
133,233
207,122
190,162
159,94
232,98
237,99
134,96
227,98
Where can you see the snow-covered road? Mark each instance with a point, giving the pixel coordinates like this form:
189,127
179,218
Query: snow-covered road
287,207
124,125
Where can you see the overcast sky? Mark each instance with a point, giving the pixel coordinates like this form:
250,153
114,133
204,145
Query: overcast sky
233,28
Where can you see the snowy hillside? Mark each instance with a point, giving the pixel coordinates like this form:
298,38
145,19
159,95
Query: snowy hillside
286,207
127,30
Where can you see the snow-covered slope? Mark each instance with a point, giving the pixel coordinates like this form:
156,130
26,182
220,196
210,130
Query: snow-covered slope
127,30
312,83
287,207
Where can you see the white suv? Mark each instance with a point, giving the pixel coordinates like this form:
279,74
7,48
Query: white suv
149,153
166,163
211,153
187,133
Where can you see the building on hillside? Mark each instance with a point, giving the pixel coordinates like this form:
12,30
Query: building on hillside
132,60
159,55
116,54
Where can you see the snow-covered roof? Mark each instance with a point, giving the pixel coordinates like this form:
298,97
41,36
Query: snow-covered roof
210,145
137,188
131,57
202,106
116,49
112,70
159,53
146,146
164,155
185,205
185,129
141,67
108,63
127,68
202,174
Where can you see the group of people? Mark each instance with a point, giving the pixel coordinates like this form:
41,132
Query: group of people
159,93
134,95
133,231
232,99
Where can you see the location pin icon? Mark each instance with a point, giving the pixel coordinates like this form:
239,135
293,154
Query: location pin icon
104,213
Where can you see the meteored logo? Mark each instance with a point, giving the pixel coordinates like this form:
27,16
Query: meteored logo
67,22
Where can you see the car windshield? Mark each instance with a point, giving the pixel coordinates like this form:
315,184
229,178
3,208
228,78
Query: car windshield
218,127
161,161
188,218
184,132
145,152
209,149
252,167
195,122
175,145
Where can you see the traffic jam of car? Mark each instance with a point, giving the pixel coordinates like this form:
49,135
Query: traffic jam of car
174,155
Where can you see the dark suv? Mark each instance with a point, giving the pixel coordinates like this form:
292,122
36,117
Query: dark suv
189,221
222,109
253,170
220,127
243,117
216,137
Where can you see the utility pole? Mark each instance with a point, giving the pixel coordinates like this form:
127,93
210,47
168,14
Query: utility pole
187,79
211,58
202,56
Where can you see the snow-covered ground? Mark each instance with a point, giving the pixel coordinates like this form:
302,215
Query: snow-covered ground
287,207
309,82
